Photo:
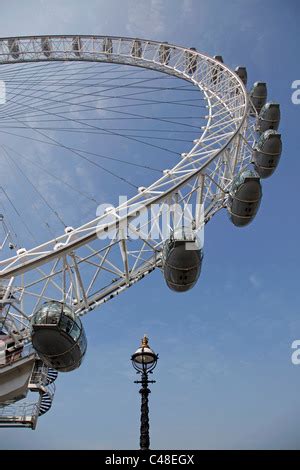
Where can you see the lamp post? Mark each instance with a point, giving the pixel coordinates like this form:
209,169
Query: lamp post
144,361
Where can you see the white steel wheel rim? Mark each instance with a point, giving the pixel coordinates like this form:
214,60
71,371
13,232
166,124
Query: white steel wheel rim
208,168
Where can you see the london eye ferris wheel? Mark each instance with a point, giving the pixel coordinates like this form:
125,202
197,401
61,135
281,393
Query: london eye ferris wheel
185,136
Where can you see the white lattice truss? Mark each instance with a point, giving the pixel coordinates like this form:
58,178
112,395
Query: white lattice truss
83,268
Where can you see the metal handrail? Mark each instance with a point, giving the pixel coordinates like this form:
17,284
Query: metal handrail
39,378
39,374
20,412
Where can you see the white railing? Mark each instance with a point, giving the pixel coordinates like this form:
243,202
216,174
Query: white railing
20,353
25,414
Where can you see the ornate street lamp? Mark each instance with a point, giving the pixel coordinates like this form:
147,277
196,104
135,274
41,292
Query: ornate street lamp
144,361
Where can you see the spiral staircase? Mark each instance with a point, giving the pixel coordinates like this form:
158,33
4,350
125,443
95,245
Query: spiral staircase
25,412
47,392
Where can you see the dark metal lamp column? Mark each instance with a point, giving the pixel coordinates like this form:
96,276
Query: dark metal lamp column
144,361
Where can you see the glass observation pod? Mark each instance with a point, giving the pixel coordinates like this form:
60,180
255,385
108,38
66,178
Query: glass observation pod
269,117
14,48
136,50
267,152
58,336
182,260
244,198
216,71
46,47
107,46
242,74
258,96
164,53
191,61
77,46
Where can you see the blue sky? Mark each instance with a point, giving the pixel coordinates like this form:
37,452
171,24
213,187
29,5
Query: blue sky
225,377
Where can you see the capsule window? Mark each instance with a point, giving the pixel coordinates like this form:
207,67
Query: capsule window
82,343
69,325
63,323
41,316
66,324
75,332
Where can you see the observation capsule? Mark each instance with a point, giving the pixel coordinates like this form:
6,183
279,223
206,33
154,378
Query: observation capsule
258,96
242,73
191,61
267,152
58,336
107,46
14,48
269,117
77,46
244,198
182,261
216,70
164,53
136,50
46,47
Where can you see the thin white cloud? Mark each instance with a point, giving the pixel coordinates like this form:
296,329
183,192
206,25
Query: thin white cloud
187,7
146,18
255,281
